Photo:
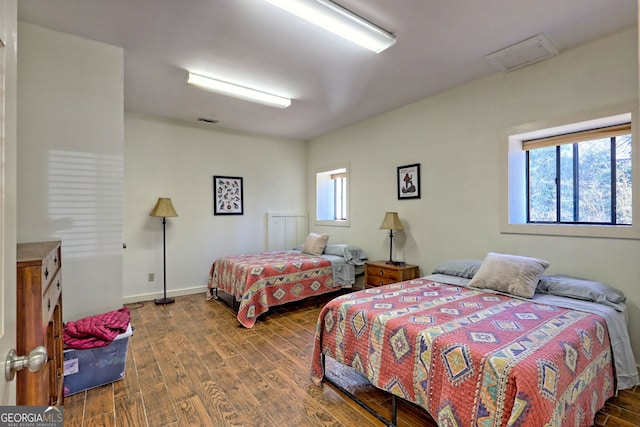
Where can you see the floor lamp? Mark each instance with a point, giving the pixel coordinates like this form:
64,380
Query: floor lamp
164,208
391,222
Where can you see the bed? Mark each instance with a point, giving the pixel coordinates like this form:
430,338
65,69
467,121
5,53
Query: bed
481,356
262,280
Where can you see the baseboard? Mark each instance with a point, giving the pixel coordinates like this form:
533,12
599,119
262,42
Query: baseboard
176,293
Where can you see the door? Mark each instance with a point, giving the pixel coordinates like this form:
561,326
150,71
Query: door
7,223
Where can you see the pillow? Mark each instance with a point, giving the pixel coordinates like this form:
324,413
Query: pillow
466,268
351,254
314,244
517,275
583,289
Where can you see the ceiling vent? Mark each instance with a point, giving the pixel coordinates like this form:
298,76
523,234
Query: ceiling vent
523,53
206,120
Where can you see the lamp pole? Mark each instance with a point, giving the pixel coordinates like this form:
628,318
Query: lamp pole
164,300
390,246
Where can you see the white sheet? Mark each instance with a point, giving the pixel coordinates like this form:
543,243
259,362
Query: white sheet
625,367
343,272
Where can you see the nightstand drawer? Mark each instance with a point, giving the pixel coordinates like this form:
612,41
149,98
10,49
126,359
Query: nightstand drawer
379,273
379,280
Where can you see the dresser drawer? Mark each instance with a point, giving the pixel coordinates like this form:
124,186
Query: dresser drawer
50,266
50,298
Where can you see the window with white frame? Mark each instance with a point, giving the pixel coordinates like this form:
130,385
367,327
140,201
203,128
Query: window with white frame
573,179
332,196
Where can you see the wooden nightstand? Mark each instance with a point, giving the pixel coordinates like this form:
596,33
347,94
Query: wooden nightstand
378,273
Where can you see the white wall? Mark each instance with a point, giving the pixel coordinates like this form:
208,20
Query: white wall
457,137
70,167
176,160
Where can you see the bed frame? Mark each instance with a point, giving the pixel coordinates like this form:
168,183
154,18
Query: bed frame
393,422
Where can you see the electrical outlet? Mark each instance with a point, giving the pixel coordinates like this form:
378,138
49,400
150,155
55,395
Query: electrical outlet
152,277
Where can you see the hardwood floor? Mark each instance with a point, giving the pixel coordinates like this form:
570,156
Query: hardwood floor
190,363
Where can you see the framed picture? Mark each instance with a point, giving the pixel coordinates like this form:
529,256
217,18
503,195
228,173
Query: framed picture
409,182
227,195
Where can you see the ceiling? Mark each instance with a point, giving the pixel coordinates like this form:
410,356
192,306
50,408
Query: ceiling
333,83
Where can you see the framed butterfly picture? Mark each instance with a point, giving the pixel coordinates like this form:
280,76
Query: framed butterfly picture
227,195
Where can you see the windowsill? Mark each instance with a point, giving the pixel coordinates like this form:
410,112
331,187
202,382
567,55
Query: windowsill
596,231
345,223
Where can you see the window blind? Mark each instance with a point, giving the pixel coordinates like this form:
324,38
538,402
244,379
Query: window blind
571,138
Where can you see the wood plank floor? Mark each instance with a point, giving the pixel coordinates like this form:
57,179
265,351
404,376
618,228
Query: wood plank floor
190,363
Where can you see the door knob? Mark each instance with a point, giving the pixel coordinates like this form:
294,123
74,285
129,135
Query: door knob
35,361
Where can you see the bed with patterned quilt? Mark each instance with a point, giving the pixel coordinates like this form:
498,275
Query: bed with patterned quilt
472,355
262,280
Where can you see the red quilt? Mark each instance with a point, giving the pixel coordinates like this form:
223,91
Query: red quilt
261,280
469,357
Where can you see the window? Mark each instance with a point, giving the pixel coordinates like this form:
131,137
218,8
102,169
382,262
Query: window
580,178
339,194
332,196
573,177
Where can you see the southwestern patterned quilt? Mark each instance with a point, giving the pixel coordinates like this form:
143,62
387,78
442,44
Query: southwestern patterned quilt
261,280
471,358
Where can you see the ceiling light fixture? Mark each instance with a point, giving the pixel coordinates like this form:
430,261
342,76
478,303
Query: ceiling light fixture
333,17
236,91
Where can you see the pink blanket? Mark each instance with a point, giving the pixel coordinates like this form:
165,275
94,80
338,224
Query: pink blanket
96,331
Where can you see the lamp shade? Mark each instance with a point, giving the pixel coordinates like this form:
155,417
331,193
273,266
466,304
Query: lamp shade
163,208
391,222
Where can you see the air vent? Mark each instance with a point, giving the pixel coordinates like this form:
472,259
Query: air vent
523,53
205,120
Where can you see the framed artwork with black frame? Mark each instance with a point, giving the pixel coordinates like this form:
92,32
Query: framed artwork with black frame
409,182
227,195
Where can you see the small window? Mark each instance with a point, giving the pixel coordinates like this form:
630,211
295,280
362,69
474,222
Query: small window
332,196
573,177
580,178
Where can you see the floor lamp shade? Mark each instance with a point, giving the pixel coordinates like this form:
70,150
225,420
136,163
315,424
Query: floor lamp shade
391,222
164,208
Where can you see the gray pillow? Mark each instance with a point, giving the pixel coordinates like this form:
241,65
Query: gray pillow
351,254
466,268
517,275
582,289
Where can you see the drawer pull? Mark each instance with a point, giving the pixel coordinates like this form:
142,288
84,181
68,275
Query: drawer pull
380,283
48,304
58,284
46,273
382,272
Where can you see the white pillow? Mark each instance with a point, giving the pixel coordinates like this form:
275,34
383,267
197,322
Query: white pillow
314,244
517,275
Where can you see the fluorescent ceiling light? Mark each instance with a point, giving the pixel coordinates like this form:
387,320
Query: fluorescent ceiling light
340,21
236,91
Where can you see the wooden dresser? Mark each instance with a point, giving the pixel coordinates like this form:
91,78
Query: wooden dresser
39,322
378,273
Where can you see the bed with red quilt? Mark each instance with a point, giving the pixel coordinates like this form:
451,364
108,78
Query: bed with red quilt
261,280
470,357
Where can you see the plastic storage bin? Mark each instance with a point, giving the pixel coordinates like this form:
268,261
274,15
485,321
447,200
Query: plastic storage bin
93,367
